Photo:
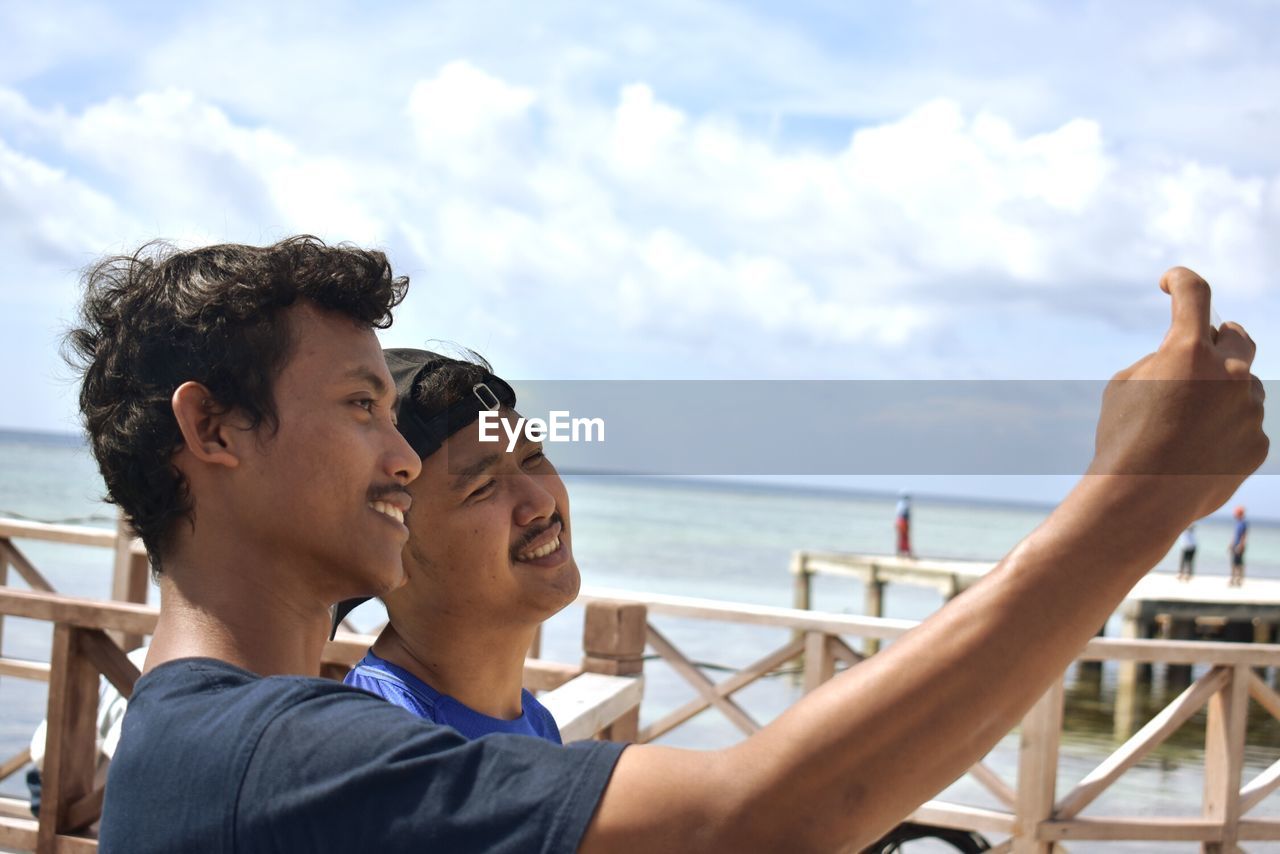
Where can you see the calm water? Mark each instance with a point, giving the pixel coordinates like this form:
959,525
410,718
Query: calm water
717,541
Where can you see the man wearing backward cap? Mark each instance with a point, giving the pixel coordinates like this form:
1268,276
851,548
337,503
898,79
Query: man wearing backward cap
488,559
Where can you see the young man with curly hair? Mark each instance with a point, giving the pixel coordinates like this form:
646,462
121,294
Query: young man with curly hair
243,416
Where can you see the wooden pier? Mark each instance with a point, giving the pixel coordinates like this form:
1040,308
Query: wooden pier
1158,606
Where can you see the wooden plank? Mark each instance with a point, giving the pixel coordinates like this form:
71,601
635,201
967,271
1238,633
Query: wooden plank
37,671
1224,756
19,834
35,580
76,535
76,611
994,784
130,578
1137,828
1253,792
843,652
1266,698
1259,830
1153,734
700,682
110,660
819,663
962,817
71,752
751,614
1098,649
15,807
540,675
737,681
585,705
1180,652
1037,770
75,845
15,763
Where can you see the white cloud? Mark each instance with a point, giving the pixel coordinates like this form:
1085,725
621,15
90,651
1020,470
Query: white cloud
638,222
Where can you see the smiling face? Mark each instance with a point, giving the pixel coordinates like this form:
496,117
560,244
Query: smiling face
490,539
326,490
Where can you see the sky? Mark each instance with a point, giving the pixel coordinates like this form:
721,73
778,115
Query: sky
669,190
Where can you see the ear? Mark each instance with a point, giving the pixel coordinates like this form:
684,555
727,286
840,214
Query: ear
207,428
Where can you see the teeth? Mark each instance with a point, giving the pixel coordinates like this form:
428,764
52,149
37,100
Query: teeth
549,548
388,510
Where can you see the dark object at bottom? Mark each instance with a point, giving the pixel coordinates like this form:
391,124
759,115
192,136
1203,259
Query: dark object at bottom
33,785
962,840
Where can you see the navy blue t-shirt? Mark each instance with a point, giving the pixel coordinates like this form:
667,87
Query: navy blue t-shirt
215,758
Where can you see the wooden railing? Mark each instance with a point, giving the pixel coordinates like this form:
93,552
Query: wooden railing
1033,815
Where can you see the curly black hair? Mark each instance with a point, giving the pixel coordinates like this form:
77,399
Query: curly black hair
161,317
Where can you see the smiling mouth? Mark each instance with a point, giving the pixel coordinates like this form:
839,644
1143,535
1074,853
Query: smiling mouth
388,510
542,551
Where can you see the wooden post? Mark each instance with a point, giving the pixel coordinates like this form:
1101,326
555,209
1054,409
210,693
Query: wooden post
1126,709
613,639
1091,671
4,582
71,751
1224,758
130,576
1262,629
1037,771
873,606
801,596
1178,676
819,663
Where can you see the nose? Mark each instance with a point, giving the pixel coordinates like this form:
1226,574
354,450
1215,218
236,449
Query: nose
536,499
402,461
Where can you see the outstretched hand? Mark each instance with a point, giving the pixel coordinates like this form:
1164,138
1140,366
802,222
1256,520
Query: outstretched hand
1192,408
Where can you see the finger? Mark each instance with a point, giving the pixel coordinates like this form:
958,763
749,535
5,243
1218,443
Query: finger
1234,343
1190,304
1258,389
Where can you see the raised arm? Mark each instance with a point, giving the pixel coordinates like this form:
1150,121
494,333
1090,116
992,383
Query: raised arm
845,763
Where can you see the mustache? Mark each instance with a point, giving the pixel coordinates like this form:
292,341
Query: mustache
556,518
382,493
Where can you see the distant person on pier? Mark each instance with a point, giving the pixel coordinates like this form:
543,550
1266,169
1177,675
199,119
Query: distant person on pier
488,559
244,417
902,524
1187,564
1238,541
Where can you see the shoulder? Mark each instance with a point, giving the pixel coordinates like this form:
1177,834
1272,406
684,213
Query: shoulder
391,683
417,783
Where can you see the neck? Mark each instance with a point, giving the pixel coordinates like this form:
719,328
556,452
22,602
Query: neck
480,666
234,611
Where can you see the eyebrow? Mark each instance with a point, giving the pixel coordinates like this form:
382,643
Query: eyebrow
466,474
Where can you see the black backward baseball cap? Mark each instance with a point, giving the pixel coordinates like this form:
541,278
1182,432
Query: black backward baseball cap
426,429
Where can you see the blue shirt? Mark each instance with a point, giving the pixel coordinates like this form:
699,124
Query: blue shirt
1241,527
399,686
214,758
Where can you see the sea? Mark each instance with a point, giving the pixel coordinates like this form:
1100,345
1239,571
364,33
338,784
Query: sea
724,540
